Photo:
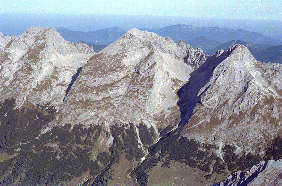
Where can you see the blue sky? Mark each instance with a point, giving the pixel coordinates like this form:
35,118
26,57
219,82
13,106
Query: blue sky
229,9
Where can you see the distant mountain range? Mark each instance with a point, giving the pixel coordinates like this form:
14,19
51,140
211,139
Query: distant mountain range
204,43
253,47
189,33
98,37
262,52
210,39
271,54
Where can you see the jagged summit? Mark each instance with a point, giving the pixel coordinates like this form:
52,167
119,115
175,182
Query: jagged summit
235,97
36,35
238,57
235,49
33,31
144,35
137,76
135,31
134,39
37,66
241,49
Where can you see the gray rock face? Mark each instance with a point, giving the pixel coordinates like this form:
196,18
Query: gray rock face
193,57
135,80
240,104
37,66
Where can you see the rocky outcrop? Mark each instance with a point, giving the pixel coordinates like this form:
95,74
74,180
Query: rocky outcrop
37,66
239,104
134,80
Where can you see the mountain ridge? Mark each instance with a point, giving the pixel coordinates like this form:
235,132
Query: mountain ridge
216,33
135,110
98,37
178,32
39,53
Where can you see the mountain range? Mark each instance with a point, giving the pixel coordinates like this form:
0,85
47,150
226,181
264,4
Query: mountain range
273,53
188,33
98,37
144,110
210,39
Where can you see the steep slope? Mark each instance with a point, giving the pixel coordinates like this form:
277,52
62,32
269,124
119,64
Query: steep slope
129,89
115,109
135,79
231,121
240,97
37,66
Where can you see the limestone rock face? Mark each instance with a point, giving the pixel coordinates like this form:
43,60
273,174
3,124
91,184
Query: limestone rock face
135,79
239,102
37,66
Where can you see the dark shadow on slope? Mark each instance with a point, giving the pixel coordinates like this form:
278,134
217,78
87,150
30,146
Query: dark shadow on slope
244,179
188,94
73,78
254,175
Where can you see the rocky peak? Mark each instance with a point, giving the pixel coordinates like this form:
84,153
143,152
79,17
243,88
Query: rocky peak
137,77
134,39
239,52
235,97
30,37
135,32
194,57
38,66
219,52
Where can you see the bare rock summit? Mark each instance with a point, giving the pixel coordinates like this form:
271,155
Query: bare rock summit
38,66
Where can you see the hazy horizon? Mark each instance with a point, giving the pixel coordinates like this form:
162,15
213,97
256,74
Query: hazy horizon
13,24
261,16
